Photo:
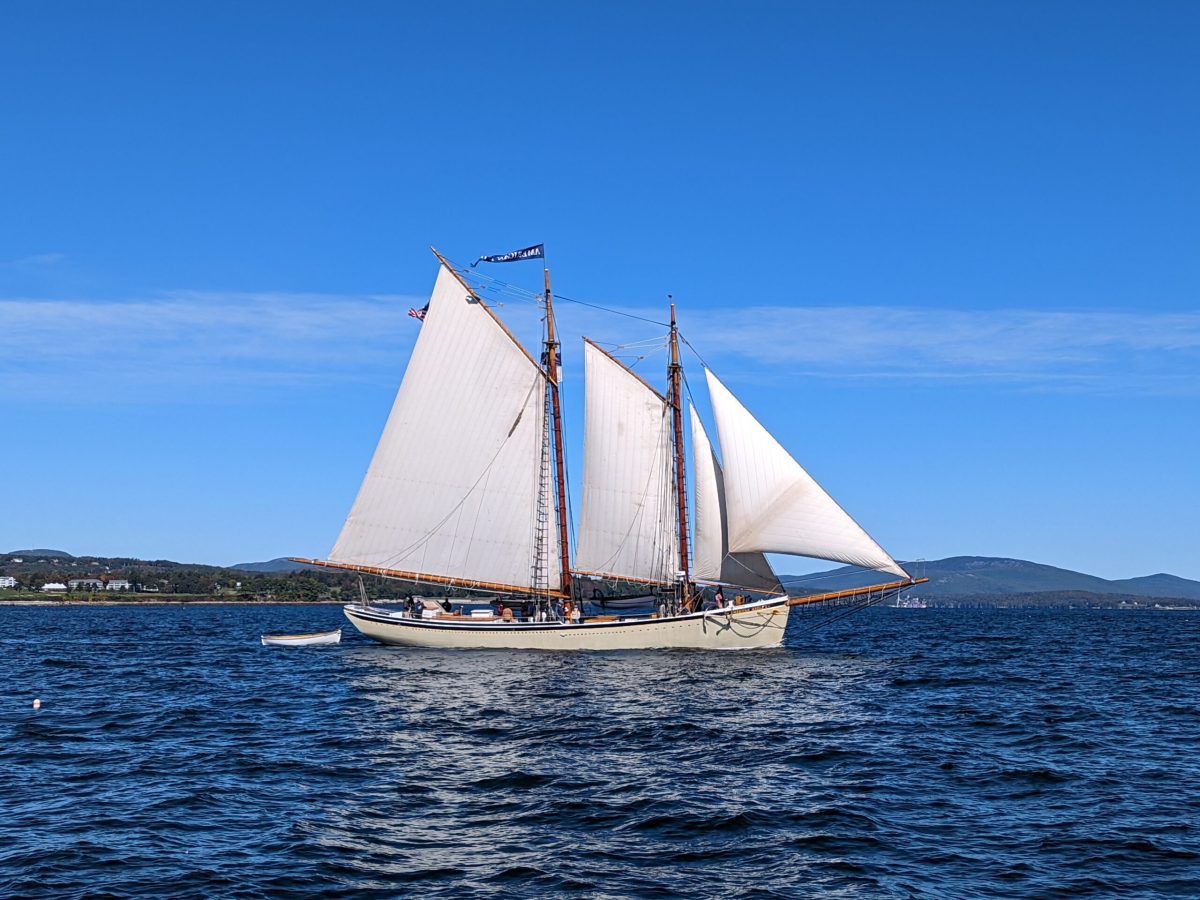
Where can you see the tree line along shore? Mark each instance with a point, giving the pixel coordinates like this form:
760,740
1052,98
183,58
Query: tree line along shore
25,576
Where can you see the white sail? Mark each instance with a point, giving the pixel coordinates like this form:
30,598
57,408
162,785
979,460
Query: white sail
453,487
627,519
711,559
773,505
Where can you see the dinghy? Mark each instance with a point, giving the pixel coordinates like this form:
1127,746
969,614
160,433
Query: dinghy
302,640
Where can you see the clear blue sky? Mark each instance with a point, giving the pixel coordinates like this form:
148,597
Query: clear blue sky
948,253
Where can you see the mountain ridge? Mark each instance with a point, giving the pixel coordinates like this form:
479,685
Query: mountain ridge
966,576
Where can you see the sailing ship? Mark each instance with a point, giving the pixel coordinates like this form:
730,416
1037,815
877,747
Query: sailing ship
467,488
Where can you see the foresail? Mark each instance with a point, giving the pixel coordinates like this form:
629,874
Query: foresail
627,518
452,489
773,505
711,559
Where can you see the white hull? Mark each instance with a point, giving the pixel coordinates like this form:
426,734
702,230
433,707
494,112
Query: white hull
749,627
302,640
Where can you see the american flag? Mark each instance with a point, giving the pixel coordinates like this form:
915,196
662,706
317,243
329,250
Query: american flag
419,314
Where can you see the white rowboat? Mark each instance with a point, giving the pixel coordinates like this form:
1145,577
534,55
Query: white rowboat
302,640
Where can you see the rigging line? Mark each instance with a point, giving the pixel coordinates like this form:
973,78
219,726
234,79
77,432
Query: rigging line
608,309
501,287
478,277
815,576
694,350
637,359
474,273
647,341
496,283
733,558
502,298
493,282
400,554
853,608
687,387
657,343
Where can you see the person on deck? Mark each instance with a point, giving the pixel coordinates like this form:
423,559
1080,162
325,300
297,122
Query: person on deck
720,598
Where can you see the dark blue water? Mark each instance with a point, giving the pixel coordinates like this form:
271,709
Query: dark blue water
937,753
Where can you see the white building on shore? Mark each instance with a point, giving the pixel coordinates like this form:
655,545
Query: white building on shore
7,581
85,584
117,584
54,587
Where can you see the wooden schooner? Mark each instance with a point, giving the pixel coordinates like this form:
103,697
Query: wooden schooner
467,488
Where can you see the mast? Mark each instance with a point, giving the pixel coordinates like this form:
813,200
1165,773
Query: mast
564,554
675,371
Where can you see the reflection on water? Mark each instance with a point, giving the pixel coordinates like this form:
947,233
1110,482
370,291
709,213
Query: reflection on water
521,760
897,753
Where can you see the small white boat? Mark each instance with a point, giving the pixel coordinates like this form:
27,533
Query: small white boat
302,640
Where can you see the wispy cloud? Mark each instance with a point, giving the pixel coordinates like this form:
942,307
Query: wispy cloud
183,345
34,261
1102,351
188,345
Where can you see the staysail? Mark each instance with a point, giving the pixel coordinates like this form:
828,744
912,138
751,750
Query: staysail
773,505
627,517
711,559
453,488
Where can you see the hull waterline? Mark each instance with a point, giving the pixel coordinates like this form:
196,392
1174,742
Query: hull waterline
751,627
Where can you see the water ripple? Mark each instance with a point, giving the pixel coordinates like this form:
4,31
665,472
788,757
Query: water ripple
901,753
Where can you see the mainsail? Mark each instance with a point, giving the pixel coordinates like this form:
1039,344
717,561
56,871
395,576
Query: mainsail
627,518
454,487
711,559
773,505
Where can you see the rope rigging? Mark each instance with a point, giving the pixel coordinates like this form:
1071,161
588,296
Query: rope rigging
634,354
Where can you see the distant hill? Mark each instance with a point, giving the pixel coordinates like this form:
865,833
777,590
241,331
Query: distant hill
968,576
959,580
280,564
1161,585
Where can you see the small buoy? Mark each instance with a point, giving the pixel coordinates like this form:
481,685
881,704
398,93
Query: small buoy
37,704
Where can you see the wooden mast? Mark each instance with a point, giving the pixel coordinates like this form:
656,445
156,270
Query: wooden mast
564,552
675,370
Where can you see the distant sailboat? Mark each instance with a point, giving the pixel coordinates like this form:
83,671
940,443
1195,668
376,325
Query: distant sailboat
467,488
